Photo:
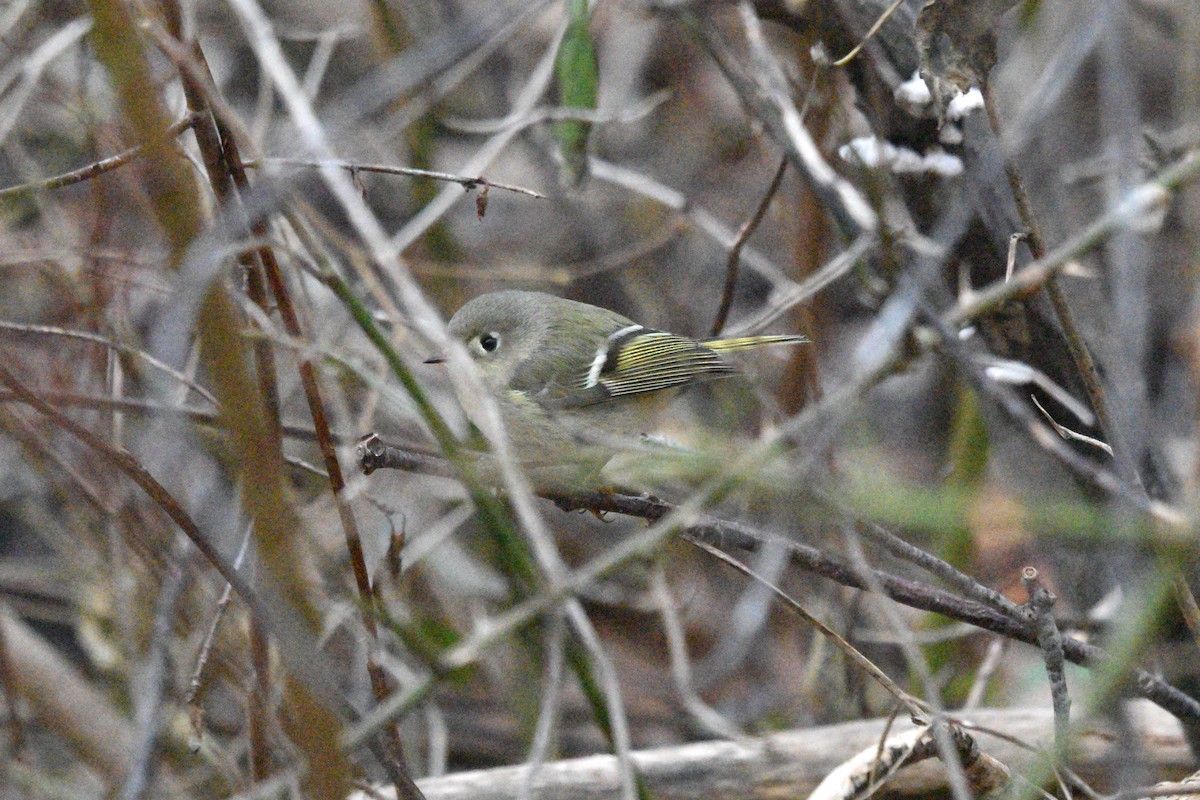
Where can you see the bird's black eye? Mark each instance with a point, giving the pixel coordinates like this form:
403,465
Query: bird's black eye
489,342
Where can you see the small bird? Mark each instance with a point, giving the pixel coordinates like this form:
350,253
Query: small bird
572,379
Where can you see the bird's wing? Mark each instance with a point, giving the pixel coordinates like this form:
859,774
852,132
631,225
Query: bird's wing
638,360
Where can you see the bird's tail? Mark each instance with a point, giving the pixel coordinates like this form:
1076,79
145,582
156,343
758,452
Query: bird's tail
748,342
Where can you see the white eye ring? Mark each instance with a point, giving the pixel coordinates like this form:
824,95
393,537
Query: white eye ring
488,342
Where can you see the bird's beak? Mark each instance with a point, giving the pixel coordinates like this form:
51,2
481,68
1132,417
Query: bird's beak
436,360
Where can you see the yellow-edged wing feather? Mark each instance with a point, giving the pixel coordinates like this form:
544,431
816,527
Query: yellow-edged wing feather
648,361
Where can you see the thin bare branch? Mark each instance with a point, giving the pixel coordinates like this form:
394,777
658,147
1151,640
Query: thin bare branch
94,169
1144,202
915,707
681,666
1085,365
385,169
52,330
874,29
735,252
1041,611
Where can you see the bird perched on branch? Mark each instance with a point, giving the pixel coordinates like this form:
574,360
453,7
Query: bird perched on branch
572,380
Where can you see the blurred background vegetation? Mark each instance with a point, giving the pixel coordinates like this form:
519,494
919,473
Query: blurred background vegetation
999,286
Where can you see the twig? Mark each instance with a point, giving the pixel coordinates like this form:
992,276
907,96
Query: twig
327,41
525,101
633,113
32,67
874,29
1067,433
937,567
552,690
53,330
1138,203
8,685
735,252
788,297
705,715
1040,609
763,88
139,406
703,219
863,774
95,168
1174,522
151,693
991,660
916,708
1085,365
1010,263
467,183
195,713
1006,370
841,198
941,734
437,743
